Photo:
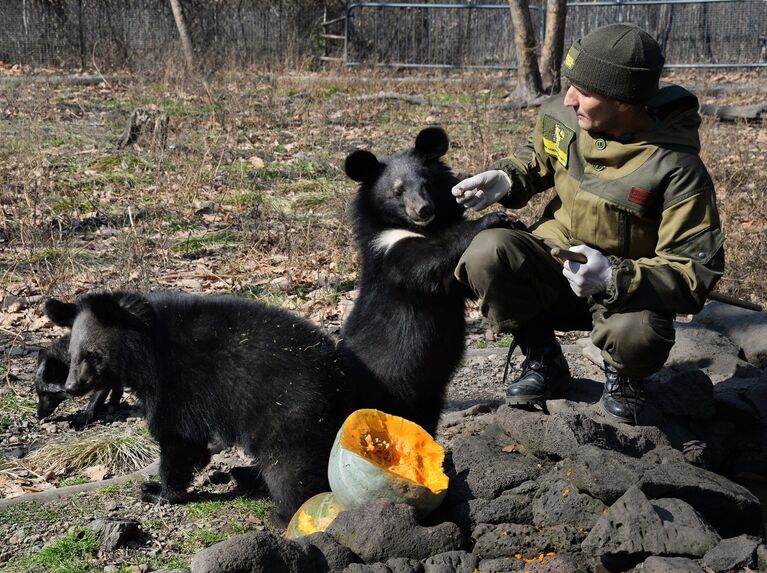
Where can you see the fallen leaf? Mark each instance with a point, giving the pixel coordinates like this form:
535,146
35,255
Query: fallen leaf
510,448
96,473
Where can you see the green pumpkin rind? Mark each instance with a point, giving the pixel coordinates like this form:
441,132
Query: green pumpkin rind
355,481
318,507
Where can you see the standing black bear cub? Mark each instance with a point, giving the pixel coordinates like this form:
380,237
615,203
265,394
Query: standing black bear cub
408,325
252,375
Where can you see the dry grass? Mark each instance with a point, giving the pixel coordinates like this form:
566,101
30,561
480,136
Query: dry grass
118,450
250,197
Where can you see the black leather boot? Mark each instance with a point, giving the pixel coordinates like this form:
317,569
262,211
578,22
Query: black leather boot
545,373
622,397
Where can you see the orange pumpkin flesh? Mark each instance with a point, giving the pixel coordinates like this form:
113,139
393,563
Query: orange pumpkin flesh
379,456
397,446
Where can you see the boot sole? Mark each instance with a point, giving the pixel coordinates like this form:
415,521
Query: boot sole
527,400
606,412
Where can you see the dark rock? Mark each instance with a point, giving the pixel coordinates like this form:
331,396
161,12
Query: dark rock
685,395
571,425
506,508
635,528
114,533
746,328
744,398
328,554
259,552
561,503
509,539
380,530
451,562
671,565
603,474
729,507
394,565
734,553
484,470
699,348
556,563
500,565
761,557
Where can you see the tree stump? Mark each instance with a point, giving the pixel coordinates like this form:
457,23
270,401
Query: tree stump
152,123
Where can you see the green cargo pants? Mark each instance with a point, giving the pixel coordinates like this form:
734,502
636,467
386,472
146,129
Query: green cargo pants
518,282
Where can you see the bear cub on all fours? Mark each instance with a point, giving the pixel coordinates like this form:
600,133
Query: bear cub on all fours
51,376
217,366
408,324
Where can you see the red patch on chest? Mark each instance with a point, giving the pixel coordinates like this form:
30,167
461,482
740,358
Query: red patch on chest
639,196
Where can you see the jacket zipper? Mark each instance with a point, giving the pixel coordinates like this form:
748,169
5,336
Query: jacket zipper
624,231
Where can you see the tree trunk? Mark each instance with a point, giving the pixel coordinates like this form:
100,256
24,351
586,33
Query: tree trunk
553,44
186,43
529,85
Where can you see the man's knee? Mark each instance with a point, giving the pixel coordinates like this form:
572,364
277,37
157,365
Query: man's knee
491,252
636,343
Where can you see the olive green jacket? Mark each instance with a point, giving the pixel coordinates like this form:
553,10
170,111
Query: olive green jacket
646,201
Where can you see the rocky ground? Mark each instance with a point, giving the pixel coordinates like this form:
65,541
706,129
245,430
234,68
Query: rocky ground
530,491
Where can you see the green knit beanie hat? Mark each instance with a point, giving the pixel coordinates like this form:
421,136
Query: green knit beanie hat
619,61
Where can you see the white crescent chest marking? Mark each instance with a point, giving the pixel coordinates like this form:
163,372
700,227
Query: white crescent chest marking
386,240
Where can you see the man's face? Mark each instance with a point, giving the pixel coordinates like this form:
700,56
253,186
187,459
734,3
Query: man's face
595,112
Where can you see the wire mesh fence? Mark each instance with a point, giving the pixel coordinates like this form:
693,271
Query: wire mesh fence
136,34
433,35
700,33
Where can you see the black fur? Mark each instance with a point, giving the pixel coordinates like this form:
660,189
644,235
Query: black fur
50,377
207,367
407,325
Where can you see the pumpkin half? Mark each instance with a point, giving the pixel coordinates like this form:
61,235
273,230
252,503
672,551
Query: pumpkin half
380,456
314,515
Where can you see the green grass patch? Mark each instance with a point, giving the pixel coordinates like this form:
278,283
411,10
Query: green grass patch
53,255
200,539
261,293
505,341
13,405
121,162
192,244
76,480
261,508
23,514
67,205
246,200
73,553
199,509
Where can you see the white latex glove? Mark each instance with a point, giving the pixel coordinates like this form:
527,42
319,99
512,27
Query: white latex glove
588,278
482,190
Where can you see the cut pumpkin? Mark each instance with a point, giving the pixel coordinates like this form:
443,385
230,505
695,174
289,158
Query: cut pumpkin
380,456
314,515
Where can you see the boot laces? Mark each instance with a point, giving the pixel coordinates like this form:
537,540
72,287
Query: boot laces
629,391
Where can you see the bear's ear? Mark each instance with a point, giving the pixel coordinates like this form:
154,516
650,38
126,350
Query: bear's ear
362,166
60,313
118,309
432,143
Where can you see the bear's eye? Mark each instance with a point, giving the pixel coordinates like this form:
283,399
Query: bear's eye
399,189
93,359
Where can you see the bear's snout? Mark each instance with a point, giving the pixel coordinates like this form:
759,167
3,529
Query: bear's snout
419,210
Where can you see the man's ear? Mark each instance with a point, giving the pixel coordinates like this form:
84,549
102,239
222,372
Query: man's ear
362,166
432,143
60,313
